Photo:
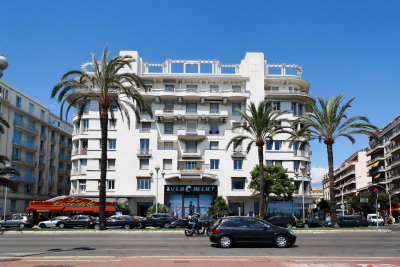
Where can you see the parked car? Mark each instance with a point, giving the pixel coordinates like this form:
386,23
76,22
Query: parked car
180,223
309,223
120,221
228,231
157,220
52,222
287,221
372,218
17,220
85,221
351,221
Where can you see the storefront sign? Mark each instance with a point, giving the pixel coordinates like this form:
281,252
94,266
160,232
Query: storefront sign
191,188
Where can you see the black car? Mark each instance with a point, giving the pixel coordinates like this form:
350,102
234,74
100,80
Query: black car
120,221
180,223
309,223
287,221
85,221
352,221
157,220
231,230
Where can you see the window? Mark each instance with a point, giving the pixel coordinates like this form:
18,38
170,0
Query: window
236,88
18,101
168,107
237,208
13,205
144,164
112,143
31,125
143,184
268,145
27,188
146,126
18,118
168,145
110,184
112,123
235,108
192,88
143,109
252,223
214,108
169,87
190,165
85,125
114,106
144,144
273,162
167,164
16,153
191,108
31,108
214,128
82,185
214,164
191,127
237,164
278,145
214,145
111,164
238,183
238,146
214,88
42,114
168,127
276,105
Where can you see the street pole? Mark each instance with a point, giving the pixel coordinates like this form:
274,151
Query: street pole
157,169
390,197
302,180
342,206
376,205
5,194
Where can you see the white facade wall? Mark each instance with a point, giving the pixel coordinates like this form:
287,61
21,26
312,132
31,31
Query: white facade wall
33,133
249,81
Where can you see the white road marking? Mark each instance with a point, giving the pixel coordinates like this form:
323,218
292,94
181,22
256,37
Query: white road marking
104,260
137,249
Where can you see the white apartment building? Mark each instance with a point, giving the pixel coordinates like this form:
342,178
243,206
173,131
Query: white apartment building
38,144
350,177
384,166
179,156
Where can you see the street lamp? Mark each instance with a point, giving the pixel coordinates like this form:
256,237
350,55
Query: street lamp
341,191
5,195
390,197
296,174
3,64
157,168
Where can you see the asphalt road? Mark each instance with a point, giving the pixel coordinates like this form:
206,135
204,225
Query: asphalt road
153,244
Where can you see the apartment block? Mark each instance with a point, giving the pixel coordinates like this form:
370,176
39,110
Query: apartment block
179,157
38,144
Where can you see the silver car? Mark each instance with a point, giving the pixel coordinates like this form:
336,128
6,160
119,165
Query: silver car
52,222
17,220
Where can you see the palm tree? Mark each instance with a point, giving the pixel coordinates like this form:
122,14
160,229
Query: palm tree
5,171
327,123
3,123
262,123
110,85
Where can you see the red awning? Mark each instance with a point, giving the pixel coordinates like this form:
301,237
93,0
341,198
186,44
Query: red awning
45,208
95,209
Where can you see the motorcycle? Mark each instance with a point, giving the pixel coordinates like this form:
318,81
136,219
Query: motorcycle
200,228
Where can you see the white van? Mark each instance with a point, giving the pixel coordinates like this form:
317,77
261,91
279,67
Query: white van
372,218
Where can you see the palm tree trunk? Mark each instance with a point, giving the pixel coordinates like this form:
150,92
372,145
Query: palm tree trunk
332,202
261,177
103,166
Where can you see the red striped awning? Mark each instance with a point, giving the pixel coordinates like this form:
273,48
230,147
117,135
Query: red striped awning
95,209
45,208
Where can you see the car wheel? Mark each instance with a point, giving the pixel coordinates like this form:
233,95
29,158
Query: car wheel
1,225
21,225
305,226
289,225
42,225
281,241
127,226
225,241
97,227
166,225
189,232
61,225
141,225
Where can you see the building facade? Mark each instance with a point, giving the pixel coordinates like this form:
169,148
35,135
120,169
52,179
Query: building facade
179,156
38,145
384,165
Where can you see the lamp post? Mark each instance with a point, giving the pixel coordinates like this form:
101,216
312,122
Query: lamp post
296,174
342,193
390,197
3,64
5,196
157,168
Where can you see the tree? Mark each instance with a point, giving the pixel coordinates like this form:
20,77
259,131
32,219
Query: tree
219,208
123,207
262,123
3,123
161,208
111,85
323,205
6,171
327,123
276,183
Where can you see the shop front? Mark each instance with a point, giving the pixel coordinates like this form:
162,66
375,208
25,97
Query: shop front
185,200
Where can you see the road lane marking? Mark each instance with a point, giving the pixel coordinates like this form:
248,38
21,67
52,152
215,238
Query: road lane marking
137,249
74,260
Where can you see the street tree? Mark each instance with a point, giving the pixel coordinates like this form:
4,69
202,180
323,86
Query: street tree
5,172
327,122
262,124
161,208
277,183
110,83
219,208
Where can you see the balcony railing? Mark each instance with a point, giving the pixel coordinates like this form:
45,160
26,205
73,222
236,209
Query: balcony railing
145,130
380,157
25,143
144,152
214,111
77,171
29,178
43,135
191,111
26,161
41,165
26,126
168,110
79,151
394,147
238,153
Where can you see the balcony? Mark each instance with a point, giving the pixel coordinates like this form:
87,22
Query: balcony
395,147
61,170
193,152
394,162
191,134
301,153
53,139
345,175
42,150
395,134
144,152
191,174
25,144
238,154
26,127
288,94
144,130
78,172
25,161
43,135
41,165
375,159
79,151
375,171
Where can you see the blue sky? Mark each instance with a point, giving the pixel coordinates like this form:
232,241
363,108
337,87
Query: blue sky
345,47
